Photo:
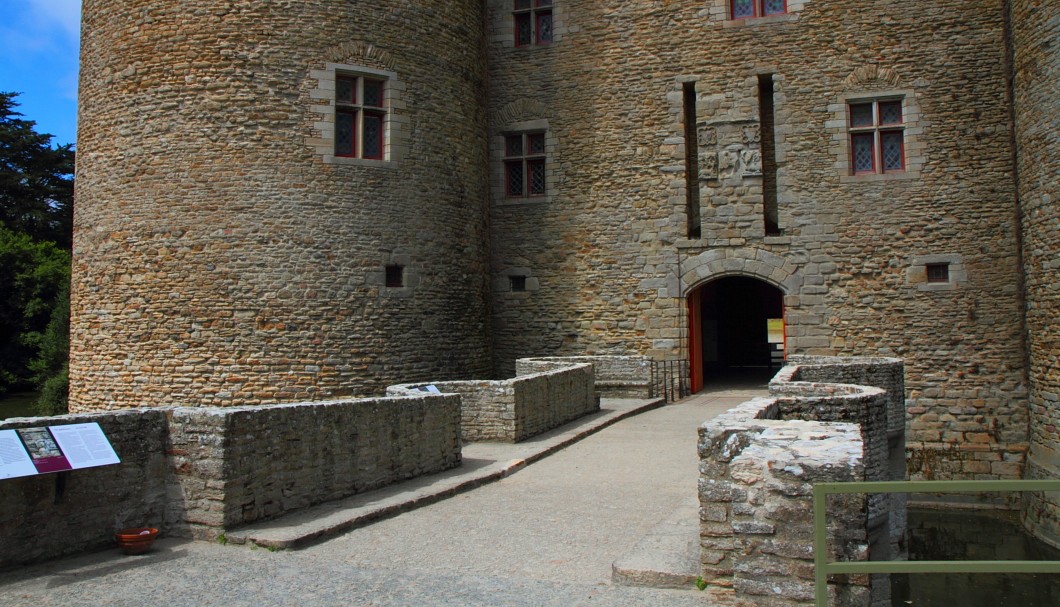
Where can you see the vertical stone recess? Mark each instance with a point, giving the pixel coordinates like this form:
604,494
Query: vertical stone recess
1035,29
219,260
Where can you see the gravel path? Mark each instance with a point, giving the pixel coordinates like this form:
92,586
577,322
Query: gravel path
544,536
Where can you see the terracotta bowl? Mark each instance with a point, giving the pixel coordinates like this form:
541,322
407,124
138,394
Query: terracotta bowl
136,540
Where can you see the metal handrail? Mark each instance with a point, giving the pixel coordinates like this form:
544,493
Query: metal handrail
823,567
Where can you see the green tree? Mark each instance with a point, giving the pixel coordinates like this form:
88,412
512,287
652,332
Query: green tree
34,275
36,217
36,179
51,366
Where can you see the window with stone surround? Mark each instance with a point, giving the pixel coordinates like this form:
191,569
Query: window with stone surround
937,272
533,22
746,9
754,13
524,165
877,136
360,116
355,122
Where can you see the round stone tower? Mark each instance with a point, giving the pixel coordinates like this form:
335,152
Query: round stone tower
278,201
1035,30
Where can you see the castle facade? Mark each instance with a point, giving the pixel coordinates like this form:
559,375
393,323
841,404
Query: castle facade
281,201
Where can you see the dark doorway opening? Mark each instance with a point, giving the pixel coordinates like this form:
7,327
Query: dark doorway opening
736,332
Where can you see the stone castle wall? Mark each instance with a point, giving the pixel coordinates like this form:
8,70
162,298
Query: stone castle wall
607,256
222,255
36,523
1035,31
236,465
201,471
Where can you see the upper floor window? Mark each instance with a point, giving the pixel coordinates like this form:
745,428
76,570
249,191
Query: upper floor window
524,165
745,9
533,22
877,136
360,117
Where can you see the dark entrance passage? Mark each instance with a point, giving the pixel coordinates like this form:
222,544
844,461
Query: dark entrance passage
736,331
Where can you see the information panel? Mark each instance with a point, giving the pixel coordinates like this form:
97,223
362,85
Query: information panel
29,451
14,460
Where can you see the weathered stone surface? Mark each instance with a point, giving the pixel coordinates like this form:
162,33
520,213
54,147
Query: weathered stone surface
522,407
761,460
1036,71
220,261
36,523
614,376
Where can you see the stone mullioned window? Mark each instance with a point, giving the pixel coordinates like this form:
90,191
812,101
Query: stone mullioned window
524,165
744,9
522,153
526,24
358,115
877,136
739,13
533,22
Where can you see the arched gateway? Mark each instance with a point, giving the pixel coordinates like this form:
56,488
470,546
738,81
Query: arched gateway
735,305
736,330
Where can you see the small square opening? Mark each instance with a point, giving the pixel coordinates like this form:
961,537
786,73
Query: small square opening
518,283
395,276
938,272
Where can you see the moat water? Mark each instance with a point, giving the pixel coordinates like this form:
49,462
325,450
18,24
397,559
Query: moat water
952,535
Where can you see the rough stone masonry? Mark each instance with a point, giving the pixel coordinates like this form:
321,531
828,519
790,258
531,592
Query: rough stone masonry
567,181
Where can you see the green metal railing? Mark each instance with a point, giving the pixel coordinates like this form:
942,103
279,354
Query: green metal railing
822,567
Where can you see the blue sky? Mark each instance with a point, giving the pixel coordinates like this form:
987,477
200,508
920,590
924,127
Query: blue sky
39,41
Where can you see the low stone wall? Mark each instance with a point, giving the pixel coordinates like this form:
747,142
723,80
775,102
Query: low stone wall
615,376
234,466
816,373
53,515
516,409
196,472
759,462
885,373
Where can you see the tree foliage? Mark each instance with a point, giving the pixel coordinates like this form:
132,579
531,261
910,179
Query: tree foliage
33,274
36,179
51,366
36,211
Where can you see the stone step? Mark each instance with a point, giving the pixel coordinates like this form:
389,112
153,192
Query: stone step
668,557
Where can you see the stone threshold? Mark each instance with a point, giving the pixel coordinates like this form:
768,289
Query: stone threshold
482,463
668,557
